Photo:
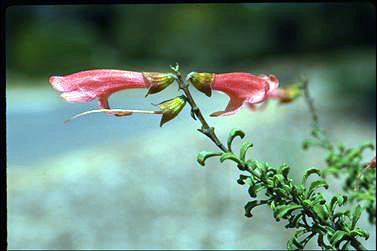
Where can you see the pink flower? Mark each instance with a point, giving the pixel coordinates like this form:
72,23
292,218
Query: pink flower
100,84
242,88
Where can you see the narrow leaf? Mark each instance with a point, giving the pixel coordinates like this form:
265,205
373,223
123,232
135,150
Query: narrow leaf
234,133
251,204
283,210
356,216
337,237
204,155
316,185
243,149
309,172
229,155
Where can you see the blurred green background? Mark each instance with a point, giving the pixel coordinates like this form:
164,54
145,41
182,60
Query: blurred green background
125,183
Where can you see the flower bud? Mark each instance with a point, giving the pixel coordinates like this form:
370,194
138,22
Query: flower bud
290,93
158,81
170,108
201,81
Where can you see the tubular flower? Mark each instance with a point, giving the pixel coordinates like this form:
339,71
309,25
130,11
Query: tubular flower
100,84
242,88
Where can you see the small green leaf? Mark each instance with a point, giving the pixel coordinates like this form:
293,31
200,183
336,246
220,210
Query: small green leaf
229,155
285,170
294,221
243,149
278,179
204,155
322,244
360,232
356,215
234,133
321,211
251,204
294,244
337,237
242,179
316,185
252,191
309,172
281,211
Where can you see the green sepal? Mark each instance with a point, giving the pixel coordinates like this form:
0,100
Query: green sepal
202,81
234,133
170,108
204,155
158,81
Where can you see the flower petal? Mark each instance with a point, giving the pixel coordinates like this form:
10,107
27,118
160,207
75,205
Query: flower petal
235,104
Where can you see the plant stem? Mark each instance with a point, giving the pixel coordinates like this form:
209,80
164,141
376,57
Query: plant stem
195,111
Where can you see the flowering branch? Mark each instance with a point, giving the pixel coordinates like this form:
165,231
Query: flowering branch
302,205
195,111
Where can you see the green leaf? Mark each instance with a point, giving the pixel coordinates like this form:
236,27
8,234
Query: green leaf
229,155
281,211
322,244
242,179
316,185
243,149
356,216
330,170
294,244
278,179
234,133
337,199
252,191
337,237
294,221
309,172
285,170
360,232
321,211
204,155
251,204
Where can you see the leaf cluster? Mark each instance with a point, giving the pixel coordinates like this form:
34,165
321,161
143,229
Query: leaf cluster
303,205
360,181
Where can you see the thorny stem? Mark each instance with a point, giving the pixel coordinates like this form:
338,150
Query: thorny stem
195,111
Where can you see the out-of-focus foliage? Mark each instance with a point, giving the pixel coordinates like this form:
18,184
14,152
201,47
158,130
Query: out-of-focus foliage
62,39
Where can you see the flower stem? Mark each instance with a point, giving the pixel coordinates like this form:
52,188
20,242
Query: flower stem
195,111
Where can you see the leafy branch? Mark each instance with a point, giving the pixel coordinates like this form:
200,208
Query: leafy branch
302,205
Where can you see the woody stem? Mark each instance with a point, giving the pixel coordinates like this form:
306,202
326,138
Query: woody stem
196,113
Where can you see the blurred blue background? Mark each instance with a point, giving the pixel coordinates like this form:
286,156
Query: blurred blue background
124,183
